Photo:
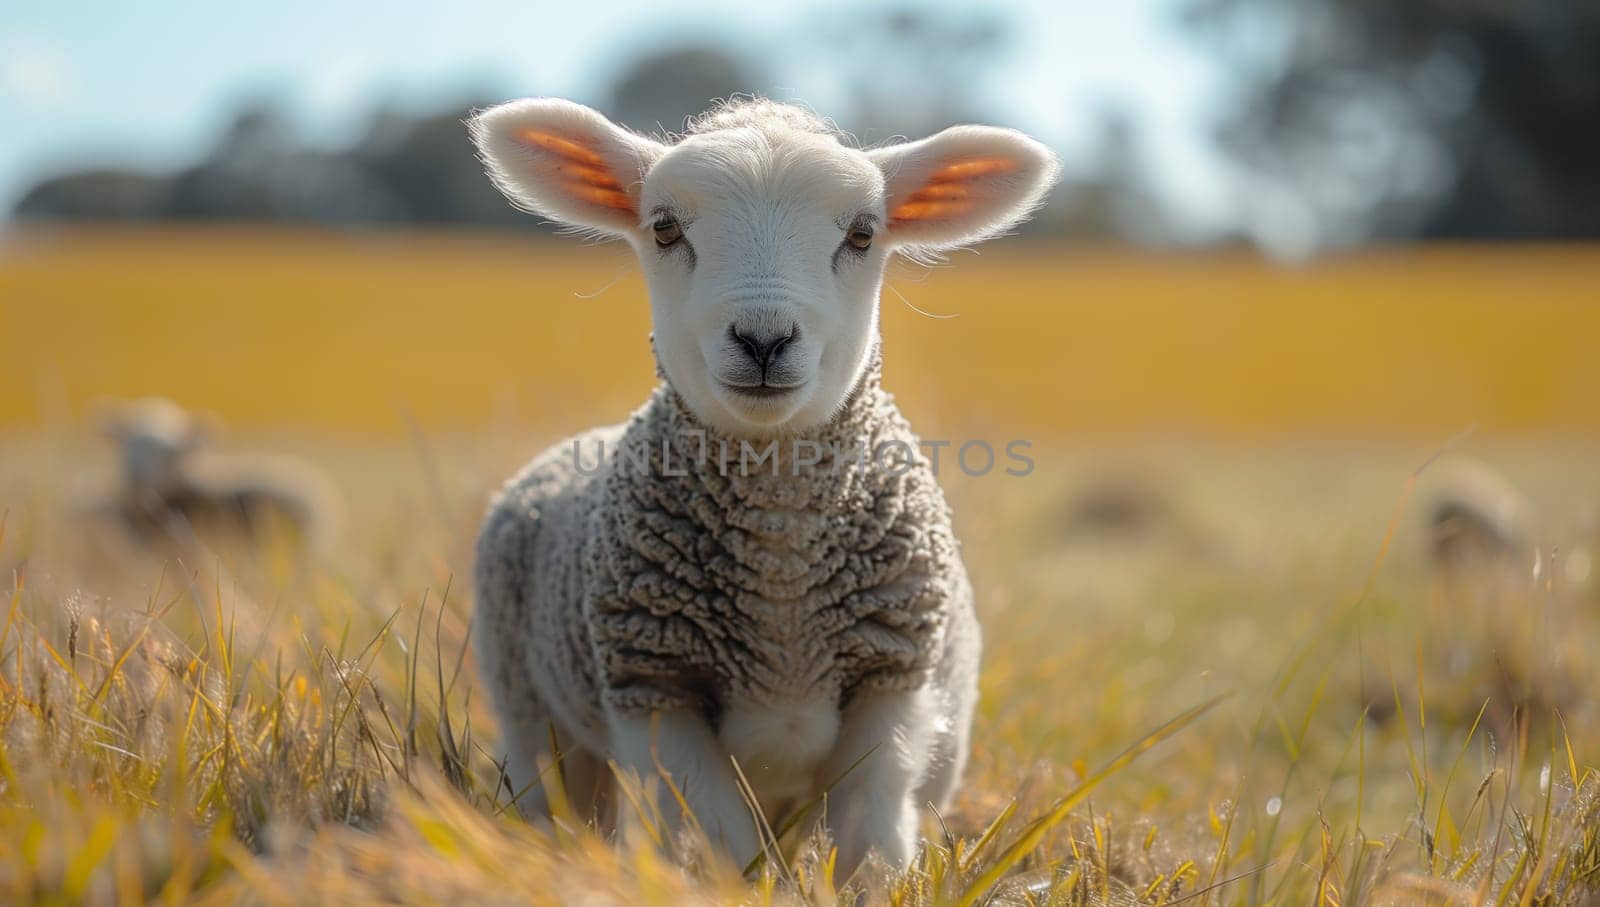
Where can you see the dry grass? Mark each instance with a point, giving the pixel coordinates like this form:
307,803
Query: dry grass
224,725
239,728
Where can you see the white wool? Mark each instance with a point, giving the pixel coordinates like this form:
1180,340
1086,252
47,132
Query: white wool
676,611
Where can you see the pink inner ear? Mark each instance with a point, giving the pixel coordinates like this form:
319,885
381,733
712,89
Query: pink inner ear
948,191
584,173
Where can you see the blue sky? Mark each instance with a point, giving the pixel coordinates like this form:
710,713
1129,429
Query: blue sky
152,83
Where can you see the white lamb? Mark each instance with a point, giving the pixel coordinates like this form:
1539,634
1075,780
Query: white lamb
173,490
672,593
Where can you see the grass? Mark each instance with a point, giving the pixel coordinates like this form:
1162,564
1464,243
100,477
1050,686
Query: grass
1270,697
1262,720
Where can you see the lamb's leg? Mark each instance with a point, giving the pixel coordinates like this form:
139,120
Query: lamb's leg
532,769
874,808
588,787
498,637
696,761
948,750
525,736
946,761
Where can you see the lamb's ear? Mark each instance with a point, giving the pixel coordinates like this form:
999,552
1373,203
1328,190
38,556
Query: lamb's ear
566,162
963,185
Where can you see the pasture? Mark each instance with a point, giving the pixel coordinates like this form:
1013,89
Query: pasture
1257,689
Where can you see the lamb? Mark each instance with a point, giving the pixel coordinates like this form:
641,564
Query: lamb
1477,518
756,572
170,496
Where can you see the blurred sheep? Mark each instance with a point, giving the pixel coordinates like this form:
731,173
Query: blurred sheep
1117,504
1579,564
1477,519
173,491
1134,507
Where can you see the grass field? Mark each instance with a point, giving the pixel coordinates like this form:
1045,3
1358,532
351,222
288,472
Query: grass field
361,333
1264,694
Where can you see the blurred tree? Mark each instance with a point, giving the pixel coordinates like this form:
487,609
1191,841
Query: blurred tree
912,71
661,90
1439,118
406,168
96,195
1108,193
232,181
427,165
258,170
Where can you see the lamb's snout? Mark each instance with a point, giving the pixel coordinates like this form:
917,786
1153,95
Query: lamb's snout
762,344
760,354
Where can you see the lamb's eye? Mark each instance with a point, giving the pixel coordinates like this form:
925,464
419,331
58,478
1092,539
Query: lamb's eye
860,237
668,231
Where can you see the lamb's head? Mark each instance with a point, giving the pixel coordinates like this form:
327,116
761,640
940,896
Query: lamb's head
762,234
154,437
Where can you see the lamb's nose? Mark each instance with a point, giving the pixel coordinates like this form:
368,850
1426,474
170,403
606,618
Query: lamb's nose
763,346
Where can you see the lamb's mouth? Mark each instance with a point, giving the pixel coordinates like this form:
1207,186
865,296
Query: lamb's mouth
760,391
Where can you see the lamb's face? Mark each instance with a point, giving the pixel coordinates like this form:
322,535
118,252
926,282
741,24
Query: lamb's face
762,236
764,271
154,439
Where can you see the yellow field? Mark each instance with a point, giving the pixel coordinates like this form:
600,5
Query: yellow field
356,333
216,725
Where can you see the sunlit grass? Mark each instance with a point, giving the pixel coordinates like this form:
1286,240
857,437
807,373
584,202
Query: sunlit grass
1271,698
215,729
